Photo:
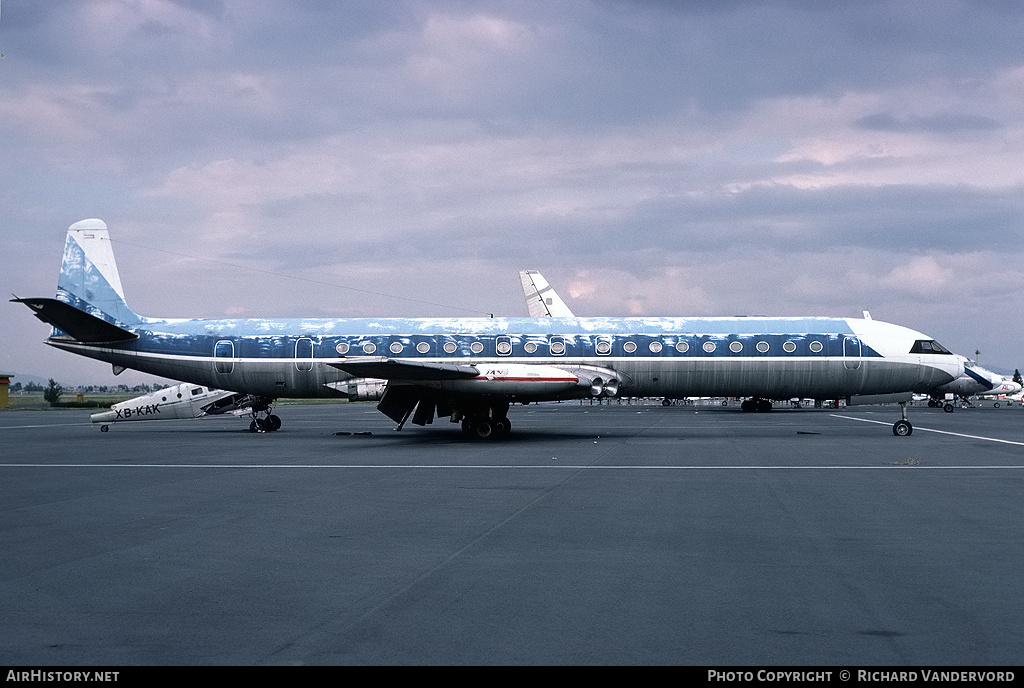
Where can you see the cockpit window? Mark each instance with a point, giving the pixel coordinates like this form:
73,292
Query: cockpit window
929,346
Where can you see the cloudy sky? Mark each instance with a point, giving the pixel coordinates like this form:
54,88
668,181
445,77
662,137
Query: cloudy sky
316,158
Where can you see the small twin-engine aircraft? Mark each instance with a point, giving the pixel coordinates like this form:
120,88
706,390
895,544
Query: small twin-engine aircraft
471,369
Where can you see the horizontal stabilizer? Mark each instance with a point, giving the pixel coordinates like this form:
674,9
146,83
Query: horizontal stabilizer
78,324
391,369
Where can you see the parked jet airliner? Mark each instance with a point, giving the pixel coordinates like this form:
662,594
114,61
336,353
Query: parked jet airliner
976,381
471,369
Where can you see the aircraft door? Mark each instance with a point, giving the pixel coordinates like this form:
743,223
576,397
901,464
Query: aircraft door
851,353
304,354
224,356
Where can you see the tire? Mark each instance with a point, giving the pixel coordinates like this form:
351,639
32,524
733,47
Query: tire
902,428
483,429
272,423
948,408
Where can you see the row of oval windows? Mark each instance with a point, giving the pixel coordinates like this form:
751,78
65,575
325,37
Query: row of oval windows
557,347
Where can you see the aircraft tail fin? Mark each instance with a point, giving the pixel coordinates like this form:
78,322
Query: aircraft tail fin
89,280
541,298
89,306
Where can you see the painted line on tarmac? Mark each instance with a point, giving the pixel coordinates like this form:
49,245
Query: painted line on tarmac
941,432
44,425
449,467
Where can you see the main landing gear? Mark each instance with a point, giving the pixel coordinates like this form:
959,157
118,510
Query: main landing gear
270,423
486,423
756,405
942,404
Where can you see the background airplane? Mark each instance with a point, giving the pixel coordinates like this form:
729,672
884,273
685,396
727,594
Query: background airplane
975,381
471,369
541,298
187,400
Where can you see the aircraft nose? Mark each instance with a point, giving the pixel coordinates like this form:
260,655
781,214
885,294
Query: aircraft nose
103,417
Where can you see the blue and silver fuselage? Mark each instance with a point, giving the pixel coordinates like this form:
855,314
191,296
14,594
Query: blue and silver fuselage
770,357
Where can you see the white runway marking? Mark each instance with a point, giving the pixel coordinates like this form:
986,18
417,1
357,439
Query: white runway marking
449,467
941,432
44,425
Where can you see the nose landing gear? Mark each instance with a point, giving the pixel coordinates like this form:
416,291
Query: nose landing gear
902,427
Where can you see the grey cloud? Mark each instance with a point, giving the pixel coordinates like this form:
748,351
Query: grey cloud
939,123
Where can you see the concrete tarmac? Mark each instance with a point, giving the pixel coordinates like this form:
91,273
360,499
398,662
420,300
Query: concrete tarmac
617,534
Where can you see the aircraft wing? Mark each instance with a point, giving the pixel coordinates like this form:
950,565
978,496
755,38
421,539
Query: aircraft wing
982,380
413,371
230,402
541,298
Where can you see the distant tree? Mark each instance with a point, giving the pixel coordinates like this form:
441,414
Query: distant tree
16,387
1016,377
33,387
52,394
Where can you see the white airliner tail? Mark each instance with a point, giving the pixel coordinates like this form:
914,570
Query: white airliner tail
541,298
89,305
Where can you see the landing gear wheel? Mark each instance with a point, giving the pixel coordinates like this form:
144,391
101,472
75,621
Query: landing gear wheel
257,426
483,429
502,427
666,402
104,428
902,428
272,423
